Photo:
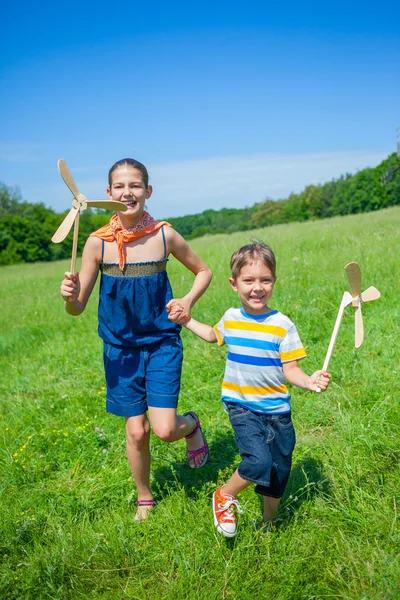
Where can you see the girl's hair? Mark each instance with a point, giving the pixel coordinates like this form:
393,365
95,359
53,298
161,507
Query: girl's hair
131,162
250,253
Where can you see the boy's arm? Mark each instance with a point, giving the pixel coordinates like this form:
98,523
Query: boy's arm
177,246
205,332
296,376
77,287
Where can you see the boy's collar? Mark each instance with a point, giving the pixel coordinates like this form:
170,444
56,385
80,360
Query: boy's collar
258,317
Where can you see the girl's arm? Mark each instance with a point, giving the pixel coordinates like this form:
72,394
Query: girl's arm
296,376
177,246
77,287
205,332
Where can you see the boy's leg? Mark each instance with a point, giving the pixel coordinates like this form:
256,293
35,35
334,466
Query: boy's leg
235,485
270,507
224,503
170,427
138,451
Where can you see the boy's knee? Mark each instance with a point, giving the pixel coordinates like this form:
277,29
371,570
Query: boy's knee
254,468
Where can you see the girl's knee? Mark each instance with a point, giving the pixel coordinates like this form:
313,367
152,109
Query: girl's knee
165,432
137,433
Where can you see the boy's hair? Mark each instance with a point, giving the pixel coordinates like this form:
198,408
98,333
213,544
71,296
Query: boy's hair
250,253
132,163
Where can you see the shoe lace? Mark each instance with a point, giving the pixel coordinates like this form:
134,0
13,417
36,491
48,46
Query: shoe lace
226,507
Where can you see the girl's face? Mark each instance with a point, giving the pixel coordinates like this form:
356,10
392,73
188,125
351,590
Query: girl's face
127,186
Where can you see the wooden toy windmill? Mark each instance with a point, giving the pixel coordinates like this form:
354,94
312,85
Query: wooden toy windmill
79,203
356,298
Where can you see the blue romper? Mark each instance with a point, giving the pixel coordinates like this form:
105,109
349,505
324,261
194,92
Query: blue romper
142,347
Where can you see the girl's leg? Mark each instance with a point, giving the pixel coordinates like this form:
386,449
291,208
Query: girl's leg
270,507
138,451
169,427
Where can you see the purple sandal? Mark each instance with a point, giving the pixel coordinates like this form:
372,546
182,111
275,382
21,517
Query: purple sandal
144,503
191,454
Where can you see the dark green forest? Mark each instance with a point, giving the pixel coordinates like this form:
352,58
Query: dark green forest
26,229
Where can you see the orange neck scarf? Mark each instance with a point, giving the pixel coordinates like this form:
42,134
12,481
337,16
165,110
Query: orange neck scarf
114,231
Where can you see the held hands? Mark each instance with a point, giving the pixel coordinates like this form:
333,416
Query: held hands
179,310
70,286
319,381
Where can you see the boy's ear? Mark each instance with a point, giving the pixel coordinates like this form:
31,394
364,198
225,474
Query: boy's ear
108,192
233,283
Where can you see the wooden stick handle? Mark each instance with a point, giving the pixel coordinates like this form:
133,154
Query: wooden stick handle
75,243
346,300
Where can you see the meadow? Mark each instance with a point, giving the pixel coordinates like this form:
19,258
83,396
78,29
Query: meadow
66,494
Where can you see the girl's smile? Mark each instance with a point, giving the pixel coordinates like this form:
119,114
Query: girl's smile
127,186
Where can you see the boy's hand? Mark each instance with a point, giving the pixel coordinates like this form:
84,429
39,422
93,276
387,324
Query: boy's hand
70,286
319,381
179,310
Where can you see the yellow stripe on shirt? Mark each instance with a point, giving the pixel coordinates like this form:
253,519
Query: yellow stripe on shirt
219,338
293,355
260,327
249,389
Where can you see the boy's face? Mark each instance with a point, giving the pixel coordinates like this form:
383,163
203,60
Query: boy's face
254,285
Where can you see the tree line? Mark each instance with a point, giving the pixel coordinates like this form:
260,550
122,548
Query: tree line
26,229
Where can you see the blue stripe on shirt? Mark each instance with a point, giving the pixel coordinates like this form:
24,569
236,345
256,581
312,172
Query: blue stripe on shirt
254,360
251,343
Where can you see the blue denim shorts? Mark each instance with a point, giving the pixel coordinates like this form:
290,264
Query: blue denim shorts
144,376
266,444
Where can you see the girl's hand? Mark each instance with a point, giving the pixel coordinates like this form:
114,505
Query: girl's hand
179,310
70,286
319,381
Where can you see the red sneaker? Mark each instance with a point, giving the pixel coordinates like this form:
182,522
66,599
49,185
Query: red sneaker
224,517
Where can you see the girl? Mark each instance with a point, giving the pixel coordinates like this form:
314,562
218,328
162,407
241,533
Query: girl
142,346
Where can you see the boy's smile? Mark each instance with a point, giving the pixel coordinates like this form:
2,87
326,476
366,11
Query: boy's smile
254,285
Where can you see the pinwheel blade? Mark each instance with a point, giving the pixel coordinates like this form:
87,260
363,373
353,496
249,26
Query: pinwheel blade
359,327
65,226
353,273
108,205
66,175
370,294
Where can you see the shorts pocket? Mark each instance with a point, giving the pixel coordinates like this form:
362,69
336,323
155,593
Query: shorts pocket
285,421
236,411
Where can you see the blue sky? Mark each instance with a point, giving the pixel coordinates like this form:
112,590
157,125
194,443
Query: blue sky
225,103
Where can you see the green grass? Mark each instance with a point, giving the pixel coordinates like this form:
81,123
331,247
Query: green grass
66,494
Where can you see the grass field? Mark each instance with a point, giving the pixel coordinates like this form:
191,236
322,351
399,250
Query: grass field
66,494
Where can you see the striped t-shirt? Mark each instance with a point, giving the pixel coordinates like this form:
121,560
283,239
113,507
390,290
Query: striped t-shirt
257,347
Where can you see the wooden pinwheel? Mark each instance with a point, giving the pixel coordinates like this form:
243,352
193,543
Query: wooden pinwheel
356,298
79,203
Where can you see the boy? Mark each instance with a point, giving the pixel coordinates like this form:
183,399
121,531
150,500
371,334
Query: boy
263,351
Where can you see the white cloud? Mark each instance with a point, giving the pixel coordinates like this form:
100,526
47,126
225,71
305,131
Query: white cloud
235,182
20,153
188,187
